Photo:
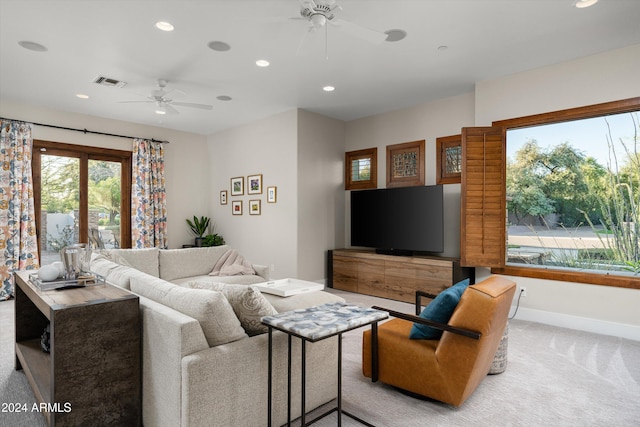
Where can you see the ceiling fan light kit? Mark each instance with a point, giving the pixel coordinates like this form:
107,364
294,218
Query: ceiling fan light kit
164,104
320,13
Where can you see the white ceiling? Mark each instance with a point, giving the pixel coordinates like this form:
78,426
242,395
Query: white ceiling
118,39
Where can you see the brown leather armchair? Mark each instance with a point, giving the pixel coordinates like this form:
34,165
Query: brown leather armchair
450,368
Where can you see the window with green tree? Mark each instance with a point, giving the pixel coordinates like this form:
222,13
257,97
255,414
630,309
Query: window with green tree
573,194
83,195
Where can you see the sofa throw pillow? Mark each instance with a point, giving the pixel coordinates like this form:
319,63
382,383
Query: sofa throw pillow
247,302
439,310
211,309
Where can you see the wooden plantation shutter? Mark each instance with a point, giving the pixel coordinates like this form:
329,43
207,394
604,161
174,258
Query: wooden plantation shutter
483,197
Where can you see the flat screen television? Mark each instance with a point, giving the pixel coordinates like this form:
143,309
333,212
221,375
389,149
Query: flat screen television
398,220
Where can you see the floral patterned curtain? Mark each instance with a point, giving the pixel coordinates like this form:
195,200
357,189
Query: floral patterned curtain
18,242
148,196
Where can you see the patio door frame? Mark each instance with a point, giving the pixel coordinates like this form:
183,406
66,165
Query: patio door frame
84,154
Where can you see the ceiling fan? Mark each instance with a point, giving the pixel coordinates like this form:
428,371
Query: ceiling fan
164,104
322,13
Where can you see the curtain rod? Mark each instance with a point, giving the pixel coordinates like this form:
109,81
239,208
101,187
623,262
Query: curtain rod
85,131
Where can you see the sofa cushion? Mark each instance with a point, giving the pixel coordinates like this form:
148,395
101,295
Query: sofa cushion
110,256
236,280
439,310
121,276
114,273
145,260
247,302
102,265
179,263
211,309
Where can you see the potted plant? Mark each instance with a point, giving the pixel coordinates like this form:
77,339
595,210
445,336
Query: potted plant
213,240
198,227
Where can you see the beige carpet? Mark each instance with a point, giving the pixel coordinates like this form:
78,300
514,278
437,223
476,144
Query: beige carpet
555,377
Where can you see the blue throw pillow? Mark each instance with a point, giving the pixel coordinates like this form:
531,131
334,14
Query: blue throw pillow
439,310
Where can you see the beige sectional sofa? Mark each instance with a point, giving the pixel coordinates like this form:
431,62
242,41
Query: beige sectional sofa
204,352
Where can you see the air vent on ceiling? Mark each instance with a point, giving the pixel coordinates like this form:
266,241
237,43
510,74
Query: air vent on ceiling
106,81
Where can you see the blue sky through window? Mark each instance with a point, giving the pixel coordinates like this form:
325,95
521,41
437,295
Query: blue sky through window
587,135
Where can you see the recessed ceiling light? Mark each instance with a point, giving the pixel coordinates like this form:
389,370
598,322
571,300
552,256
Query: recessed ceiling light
581,4
219,46
262,63
161,112
36,47
443,48
223,98
328,88
82,96
164,26
395,35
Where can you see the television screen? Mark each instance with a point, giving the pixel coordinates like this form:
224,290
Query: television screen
405,219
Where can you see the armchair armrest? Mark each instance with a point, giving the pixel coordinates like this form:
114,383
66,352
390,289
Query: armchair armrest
441,326
419,295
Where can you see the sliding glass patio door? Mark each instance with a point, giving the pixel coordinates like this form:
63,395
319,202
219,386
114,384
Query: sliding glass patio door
82,194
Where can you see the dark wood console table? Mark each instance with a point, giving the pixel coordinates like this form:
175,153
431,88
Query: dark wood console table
91,376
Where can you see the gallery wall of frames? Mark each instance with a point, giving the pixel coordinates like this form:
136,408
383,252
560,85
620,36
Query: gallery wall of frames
251,185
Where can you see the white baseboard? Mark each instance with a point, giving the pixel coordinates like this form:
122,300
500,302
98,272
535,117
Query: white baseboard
604,327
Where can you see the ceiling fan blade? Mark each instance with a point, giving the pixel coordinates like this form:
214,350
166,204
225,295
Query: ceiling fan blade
308,3
367,34
169,109
135,102
303,40
192,105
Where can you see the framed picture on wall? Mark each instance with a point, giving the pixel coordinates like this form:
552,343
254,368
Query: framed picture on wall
272,194
254,207
237,186
405,164
223,197
449,159
254,184
236,207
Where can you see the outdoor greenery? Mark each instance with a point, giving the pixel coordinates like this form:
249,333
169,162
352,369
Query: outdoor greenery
60,177
556,181
564,182
66,237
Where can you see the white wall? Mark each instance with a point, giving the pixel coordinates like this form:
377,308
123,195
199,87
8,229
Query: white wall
428,121
186,163
301,154
267,147
320,192
609,76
